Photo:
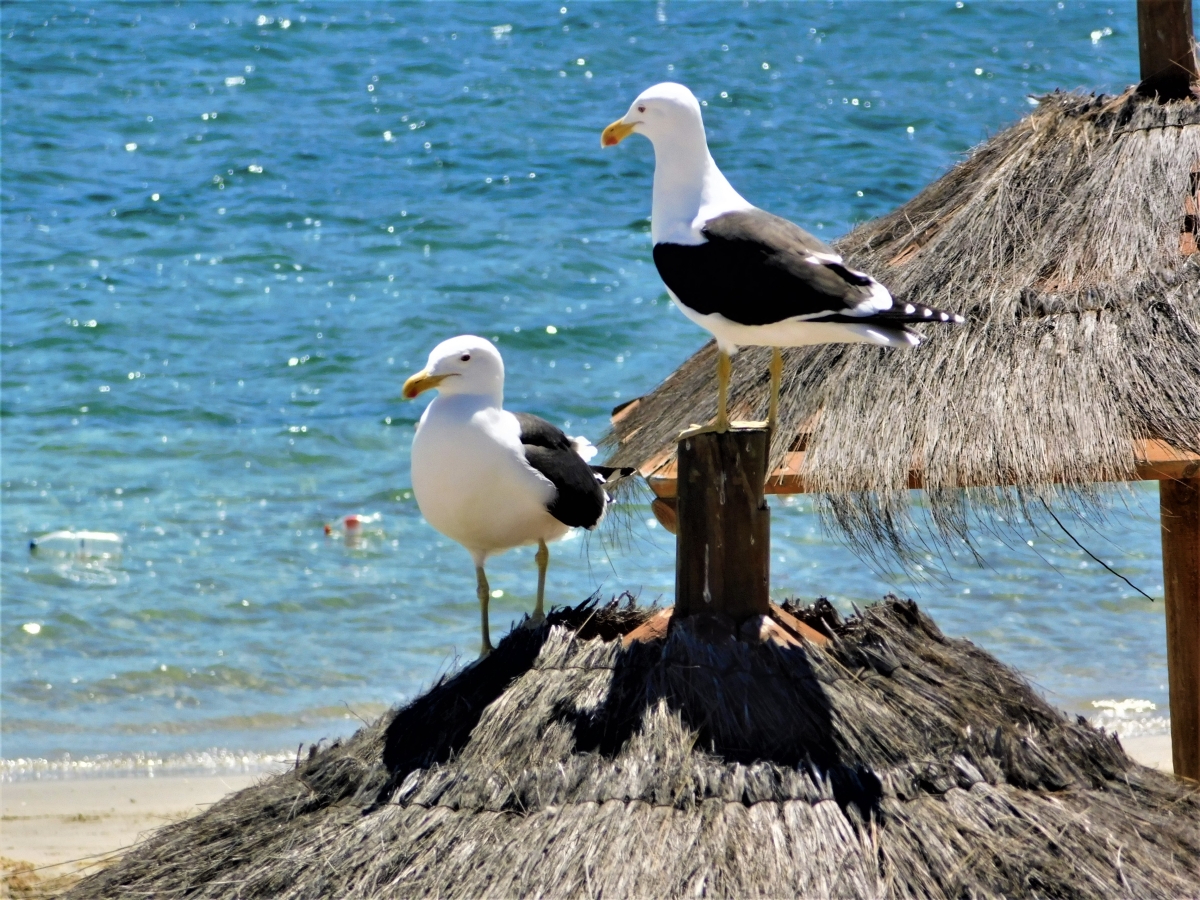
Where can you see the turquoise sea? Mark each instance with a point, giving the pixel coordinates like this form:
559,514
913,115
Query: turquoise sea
230,231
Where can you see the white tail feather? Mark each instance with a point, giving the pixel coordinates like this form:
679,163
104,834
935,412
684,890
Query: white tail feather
585,448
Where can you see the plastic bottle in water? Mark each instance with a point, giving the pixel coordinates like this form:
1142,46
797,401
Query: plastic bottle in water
99,544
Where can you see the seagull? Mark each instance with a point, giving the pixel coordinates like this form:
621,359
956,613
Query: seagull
492,479
749,277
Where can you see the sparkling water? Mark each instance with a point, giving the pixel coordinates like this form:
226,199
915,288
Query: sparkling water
230,231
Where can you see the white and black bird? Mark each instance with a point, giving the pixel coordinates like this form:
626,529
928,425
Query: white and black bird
749,277
492,479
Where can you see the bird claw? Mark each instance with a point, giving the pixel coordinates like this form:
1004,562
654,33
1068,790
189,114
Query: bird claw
722,428
714,428
534,621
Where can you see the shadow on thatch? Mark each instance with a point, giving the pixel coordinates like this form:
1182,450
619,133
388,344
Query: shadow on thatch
437,724
1069,241
895,763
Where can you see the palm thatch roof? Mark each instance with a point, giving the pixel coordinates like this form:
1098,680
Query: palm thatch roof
1069,241
574,762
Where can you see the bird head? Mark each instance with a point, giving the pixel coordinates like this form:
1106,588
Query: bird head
466,364
664,110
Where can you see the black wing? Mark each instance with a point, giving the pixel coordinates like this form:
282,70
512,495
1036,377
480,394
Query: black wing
757,268
579,500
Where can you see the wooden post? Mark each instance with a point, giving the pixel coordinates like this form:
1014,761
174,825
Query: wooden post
1179,509
1166,49
723,546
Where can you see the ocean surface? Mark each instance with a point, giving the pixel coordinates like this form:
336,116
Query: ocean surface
230,231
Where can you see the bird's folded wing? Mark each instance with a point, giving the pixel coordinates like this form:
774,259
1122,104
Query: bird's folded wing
578,500
757,268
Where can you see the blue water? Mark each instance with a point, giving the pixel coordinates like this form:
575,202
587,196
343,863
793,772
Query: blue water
231,231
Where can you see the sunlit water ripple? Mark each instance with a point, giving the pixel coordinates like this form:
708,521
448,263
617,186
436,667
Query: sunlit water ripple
230,231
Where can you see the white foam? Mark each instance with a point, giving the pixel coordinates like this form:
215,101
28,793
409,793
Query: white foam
1130,717
215,761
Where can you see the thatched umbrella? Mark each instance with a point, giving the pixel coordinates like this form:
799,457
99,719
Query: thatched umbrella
1070,242
594,757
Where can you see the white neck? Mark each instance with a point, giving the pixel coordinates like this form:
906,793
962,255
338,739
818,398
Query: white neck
465,404
689,189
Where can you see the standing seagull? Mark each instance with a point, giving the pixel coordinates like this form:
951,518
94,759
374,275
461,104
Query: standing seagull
491,479
747,276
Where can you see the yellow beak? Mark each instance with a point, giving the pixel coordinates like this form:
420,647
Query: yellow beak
615,133
421,382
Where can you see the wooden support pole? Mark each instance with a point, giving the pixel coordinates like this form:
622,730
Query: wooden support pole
1166,49
723,546
1179,509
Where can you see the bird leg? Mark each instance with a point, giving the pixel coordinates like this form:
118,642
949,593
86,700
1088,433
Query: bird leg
542,557
776,378
724,370
485,594
721,424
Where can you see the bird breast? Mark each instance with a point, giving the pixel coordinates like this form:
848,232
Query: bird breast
471,480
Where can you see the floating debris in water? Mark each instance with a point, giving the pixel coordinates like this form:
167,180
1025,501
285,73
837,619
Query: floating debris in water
353,524
101,544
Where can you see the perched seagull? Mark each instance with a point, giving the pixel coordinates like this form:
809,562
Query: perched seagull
750,278
492,479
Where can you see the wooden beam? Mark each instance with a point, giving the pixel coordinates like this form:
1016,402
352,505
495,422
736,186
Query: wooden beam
1159,461
1153,461
1166,49
723,546
667,513
1179,509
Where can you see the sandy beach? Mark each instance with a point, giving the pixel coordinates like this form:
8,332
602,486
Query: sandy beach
55,831
1150,750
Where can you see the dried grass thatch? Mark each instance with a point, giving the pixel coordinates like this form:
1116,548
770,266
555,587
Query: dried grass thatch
894,763
1069,242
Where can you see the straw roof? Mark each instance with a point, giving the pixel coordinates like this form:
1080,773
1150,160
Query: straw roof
1069,242
893,763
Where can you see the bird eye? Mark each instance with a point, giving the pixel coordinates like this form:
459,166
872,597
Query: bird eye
466,357
641,109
